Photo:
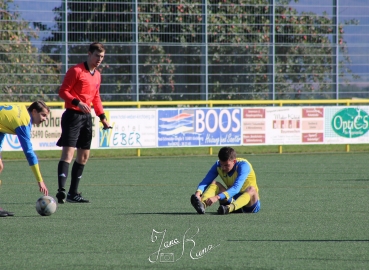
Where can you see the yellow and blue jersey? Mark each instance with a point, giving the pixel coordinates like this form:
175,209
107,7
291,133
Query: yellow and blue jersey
237,180
15,119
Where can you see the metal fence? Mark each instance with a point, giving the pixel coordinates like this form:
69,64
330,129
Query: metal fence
189,50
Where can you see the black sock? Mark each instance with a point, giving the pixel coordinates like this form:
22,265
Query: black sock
77,171
63,168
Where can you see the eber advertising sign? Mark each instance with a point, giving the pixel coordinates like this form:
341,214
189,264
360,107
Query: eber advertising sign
199,127
130,128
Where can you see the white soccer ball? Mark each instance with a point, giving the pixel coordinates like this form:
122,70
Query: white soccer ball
46,205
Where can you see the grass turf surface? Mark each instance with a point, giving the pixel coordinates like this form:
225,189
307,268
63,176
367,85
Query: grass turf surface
314,215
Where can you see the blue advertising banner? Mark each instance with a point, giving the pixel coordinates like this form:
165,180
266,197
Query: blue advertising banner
199,127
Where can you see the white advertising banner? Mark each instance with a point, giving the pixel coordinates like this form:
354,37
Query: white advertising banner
283,125
45,136
135,128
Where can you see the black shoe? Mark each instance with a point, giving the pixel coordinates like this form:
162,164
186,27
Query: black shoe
223,210
4,213
61,196
197,204
76,198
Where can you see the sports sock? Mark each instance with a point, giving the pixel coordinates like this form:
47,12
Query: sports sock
63,168
211,191
77,171
241,201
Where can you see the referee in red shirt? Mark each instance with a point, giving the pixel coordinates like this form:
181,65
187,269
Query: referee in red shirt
79,89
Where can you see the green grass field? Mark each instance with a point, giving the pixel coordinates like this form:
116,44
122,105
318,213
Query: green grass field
314,215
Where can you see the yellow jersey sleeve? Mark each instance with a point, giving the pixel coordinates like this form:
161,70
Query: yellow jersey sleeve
36,171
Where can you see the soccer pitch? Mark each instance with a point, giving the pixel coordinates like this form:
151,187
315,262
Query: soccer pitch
314,215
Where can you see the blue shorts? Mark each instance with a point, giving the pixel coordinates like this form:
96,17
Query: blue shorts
246,209
251,209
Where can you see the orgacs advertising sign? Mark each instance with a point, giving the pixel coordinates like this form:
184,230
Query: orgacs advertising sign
350,122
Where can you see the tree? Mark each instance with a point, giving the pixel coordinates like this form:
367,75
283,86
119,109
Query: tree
239,38
111,22
305,50
88,23
239,44
25,74
171,40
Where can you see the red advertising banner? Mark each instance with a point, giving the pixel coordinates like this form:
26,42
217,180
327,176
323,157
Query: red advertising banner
253,124
312,137
312,125
253,138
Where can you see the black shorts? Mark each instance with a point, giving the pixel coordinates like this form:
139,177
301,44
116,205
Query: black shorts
76,129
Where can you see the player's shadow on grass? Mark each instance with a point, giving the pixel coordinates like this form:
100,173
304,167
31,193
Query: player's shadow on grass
31,216
302,240
14,203
163,213
346,180
174,213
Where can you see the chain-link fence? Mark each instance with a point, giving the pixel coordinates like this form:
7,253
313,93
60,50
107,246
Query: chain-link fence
190,49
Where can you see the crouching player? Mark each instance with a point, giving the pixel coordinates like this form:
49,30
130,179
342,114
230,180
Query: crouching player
17,119
241,194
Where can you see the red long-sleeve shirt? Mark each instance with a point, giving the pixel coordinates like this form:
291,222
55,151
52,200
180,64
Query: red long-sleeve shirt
80,84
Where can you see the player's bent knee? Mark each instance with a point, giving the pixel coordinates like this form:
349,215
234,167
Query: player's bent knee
220,186
251,190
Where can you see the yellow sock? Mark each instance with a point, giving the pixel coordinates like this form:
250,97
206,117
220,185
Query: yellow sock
241,201
231,207
211,191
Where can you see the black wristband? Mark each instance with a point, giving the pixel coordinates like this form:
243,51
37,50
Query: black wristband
75,102
102,116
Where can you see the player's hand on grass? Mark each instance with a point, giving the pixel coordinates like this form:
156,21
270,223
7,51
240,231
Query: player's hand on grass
43,188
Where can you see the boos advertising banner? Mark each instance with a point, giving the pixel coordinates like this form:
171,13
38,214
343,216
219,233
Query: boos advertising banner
199,127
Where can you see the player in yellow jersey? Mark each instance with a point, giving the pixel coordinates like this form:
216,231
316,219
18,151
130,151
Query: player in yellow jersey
241,194
18,120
